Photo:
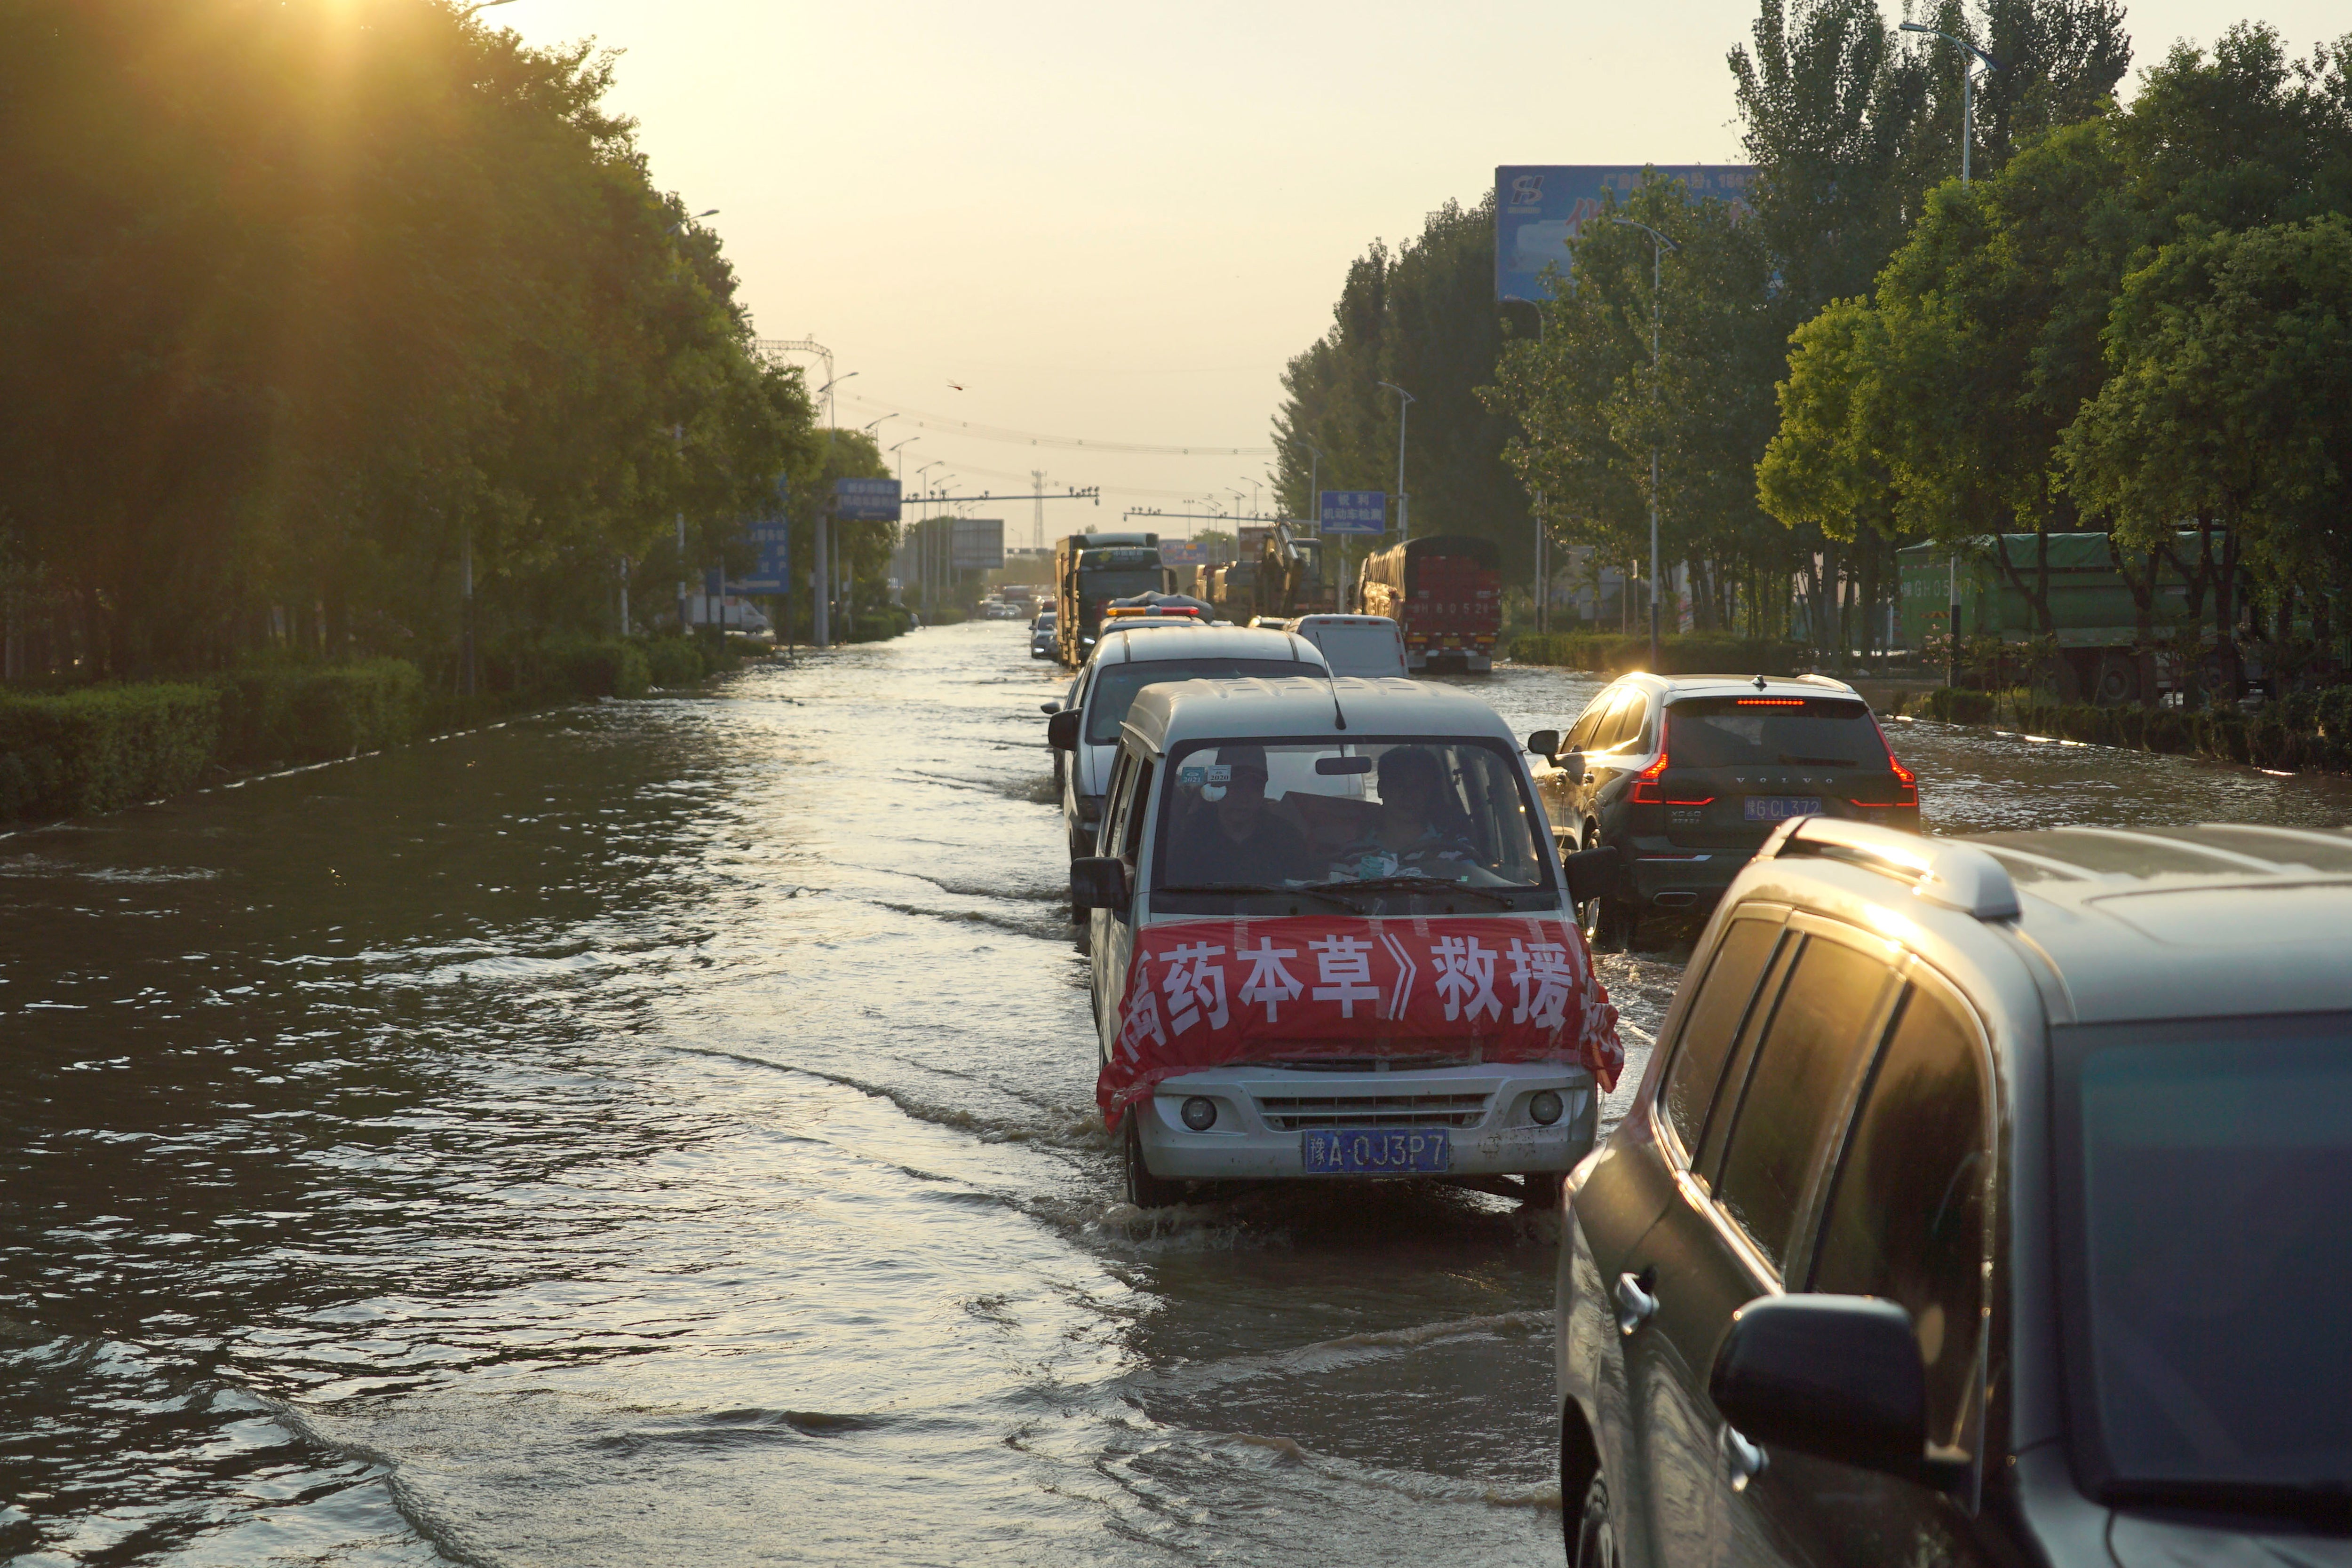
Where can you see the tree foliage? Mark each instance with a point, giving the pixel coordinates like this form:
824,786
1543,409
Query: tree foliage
304,298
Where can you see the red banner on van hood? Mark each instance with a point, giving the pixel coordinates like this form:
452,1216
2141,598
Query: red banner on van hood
1205,993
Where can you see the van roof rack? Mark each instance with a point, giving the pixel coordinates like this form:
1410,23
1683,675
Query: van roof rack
1951,875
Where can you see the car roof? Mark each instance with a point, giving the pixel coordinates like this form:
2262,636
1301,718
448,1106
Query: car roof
1304,622
2215,919
1184,638
1171,712
1736,686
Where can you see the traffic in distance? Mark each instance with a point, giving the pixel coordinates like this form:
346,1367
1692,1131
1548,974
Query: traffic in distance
1977,1197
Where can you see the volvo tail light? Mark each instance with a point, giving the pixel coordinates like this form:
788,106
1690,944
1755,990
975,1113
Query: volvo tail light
1647,789
1906,783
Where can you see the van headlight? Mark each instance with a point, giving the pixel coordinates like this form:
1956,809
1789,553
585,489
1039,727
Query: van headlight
1201,1113
1544,1106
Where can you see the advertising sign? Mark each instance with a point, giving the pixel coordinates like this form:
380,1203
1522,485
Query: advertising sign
1540,208
977,544
1202,993
1183,553
1355,511
866,500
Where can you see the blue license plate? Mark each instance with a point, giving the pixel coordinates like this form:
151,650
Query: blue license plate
1780,808
1389,1151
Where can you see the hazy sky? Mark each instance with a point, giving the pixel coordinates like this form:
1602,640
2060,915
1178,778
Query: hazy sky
1118,221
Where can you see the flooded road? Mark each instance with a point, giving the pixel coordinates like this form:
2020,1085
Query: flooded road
664,1131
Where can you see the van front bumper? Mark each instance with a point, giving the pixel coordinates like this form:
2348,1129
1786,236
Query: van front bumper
1264,1114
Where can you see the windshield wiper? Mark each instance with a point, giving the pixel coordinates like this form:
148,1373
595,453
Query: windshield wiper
1820,761
1432,885
1261,887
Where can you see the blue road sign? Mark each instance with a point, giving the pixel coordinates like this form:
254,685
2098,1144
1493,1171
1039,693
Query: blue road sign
772,573
1355,512
1540,208
866,500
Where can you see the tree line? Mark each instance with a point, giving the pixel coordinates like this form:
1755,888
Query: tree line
313,310
2129,318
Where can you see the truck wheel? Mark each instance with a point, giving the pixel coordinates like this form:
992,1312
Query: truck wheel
2119,681
1591,1534
1143,1189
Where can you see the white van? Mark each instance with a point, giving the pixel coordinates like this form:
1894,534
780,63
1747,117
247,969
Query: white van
1355,644
1125,659
1330,938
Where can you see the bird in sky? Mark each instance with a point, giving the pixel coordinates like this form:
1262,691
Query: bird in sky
958,385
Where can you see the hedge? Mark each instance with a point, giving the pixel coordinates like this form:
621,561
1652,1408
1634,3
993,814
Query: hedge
673,662
312,713
2306,730
1682,654
104,748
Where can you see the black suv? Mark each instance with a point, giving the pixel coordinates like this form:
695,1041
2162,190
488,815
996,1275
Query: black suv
1686,776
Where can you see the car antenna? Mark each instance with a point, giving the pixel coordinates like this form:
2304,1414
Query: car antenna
1339,716
1760,682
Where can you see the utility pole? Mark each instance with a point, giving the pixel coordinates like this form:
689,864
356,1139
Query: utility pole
1405,401
684,622
1037,524
1659,245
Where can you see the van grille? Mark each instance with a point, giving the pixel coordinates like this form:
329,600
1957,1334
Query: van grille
1288,1113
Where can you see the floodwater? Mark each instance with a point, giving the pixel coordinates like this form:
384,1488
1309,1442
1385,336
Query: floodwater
663,1131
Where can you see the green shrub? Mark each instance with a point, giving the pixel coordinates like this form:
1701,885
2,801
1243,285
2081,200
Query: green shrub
311,713
1695,653
592,667
104,748
673,662
1958,704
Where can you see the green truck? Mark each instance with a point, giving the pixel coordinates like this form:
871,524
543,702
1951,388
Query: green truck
2097,618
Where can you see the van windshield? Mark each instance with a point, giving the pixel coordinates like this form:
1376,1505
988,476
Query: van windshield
1407,814
1116,684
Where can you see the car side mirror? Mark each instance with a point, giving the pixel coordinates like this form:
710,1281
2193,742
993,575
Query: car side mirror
1835,1376
1098,881
1591,874
1543,743
1049,709
1062,730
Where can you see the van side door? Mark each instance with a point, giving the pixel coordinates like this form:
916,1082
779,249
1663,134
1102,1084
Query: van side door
1126,810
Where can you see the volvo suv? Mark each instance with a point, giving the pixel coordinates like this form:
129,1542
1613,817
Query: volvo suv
1686,776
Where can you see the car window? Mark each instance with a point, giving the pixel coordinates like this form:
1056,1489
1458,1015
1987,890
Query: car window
1619,721
1736,732
1579,738
1115,685
1712,1022
1116,796
1790,1100
1130,834
1907,1210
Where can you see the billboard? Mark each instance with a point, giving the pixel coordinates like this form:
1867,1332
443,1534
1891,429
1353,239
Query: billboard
772,570
1540,207
1355,511
1183,553
866,500
977,544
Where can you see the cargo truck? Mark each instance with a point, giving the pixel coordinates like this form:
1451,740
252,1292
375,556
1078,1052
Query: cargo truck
1445,595
1089,571
2100,623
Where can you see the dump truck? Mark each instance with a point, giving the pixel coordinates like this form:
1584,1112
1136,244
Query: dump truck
1445,595
1089,571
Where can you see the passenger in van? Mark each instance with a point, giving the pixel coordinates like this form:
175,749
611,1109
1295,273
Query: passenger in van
1239,840
1420,830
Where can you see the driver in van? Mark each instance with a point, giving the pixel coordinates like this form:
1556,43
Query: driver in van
1238,840
1416,833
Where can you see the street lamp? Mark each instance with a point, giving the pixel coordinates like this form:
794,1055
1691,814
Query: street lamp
1407,401
1659,245
1967,142
679,227
1968,88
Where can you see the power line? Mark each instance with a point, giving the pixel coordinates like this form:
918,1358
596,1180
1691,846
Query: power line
939,422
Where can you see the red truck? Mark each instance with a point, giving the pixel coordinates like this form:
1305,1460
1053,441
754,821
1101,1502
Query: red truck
1445,593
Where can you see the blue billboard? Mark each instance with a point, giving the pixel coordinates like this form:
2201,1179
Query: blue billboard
1540,207
1354,512
866,500
771,572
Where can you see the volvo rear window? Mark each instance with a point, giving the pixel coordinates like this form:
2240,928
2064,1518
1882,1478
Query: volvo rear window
1769,731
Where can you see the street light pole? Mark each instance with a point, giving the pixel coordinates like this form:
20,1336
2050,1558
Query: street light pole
1967,145
1659,245
1406,401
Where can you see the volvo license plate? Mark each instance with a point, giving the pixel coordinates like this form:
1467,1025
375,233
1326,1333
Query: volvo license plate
1780,808
1386,1151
